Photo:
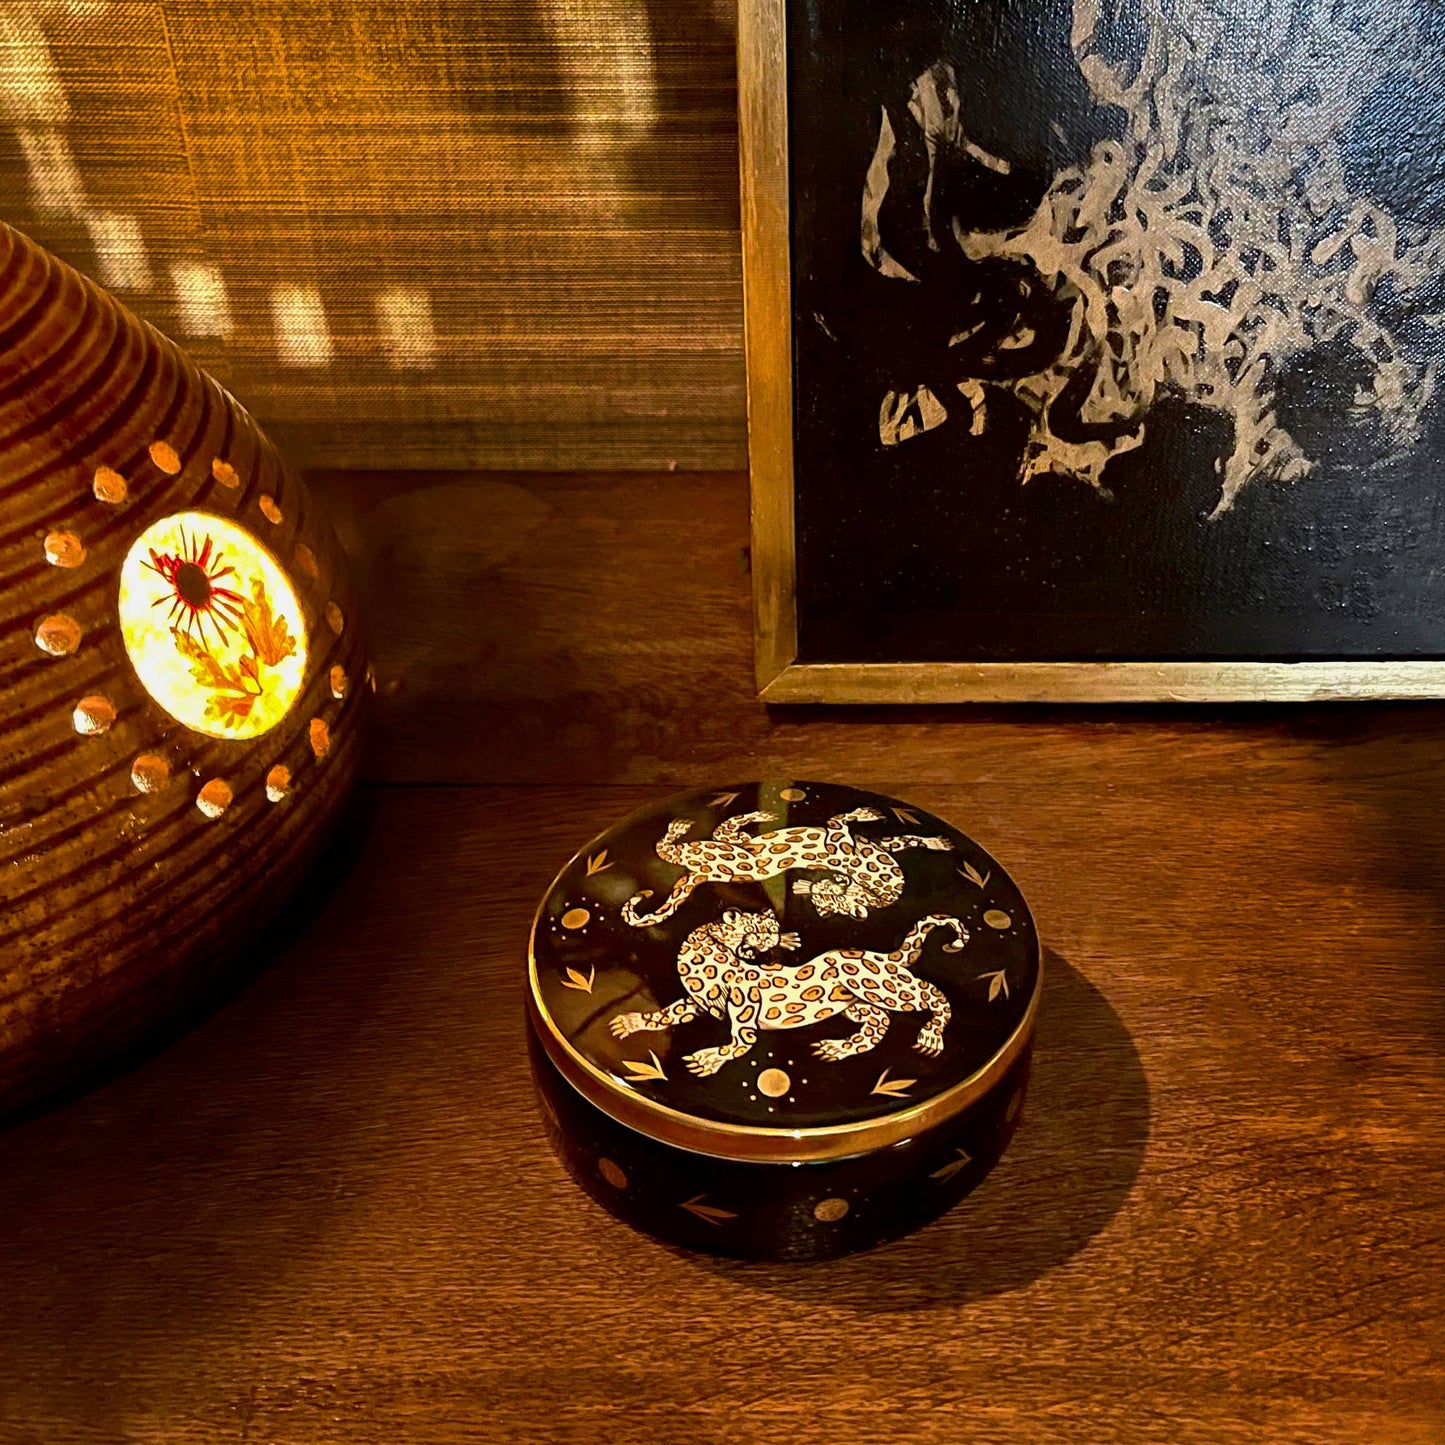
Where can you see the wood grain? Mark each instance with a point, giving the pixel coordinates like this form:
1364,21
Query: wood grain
328,1214
116,901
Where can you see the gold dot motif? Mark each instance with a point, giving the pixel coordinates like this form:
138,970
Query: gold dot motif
214,797
305,560
340,683
150,773
93,715
58,635
830,1211
278,784
575,918
269,509
612,1173
997,918
320,737
774,1083
225,473
792,795
64,549
334,618
109,486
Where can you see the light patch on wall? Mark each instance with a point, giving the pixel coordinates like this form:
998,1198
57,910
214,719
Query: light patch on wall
120,250
55,182
203,306
303,338
212,625
407,334
612,73
31,91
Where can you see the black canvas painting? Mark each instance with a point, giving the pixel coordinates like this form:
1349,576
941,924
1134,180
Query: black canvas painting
1117,328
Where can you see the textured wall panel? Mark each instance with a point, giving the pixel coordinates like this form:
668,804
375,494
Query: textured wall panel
405,232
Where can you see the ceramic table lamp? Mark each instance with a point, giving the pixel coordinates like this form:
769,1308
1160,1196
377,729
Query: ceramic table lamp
181,674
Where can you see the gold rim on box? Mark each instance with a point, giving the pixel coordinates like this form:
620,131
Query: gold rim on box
755,1142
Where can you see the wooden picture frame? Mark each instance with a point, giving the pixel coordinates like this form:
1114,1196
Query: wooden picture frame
783,674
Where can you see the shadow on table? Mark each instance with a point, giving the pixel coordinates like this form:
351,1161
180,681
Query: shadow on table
339,853
1066,1175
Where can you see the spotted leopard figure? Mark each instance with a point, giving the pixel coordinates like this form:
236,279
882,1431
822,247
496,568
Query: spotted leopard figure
862,873
719,967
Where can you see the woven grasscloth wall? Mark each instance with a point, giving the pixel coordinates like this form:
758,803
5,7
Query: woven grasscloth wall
431,233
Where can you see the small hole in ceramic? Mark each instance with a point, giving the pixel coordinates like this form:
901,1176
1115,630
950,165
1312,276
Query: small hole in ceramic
93,714
150,773
58,635
305,560
278,784
109,486
269,509
64,549
165,456
225,473
340,683
334,618
320,737
214,798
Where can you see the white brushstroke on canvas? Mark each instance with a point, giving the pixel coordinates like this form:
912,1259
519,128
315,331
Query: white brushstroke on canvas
1216,242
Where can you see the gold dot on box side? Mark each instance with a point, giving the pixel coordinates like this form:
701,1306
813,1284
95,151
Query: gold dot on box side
214,798
225,473
612,1173
334,618
269,509
58,635
93,714
340,683
150,773
165,456
320,737
278,784
830,1211
576,918
109,486
774,1083
997,918
64,549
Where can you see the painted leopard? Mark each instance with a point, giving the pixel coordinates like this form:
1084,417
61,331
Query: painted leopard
861,873
719,967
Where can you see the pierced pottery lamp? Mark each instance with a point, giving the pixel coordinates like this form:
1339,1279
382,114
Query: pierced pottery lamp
181,674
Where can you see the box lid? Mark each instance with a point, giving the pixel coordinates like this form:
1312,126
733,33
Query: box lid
783,971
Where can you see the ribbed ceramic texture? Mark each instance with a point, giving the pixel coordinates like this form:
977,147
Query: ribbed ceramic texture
115,903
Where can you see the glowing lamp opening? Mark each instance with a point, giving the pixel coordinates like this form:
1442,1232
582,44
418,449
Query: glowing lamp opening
212,625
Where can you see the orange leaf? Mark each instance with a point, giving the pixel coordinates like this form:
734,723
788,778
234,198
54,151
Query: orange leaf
598,863
578,981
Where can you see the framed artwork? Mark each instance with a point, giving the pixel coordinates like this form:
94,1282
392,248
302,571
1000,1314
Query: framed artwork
1095,348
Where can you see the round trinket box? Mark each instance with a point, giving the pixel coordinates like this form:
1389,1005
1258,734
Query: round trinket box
782,1020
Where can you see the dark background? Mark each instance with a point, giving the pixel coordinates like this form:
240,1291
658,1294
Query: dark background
931,550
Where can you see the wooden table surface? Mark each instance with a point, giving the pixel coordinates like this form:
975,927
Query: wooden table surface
327,1212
